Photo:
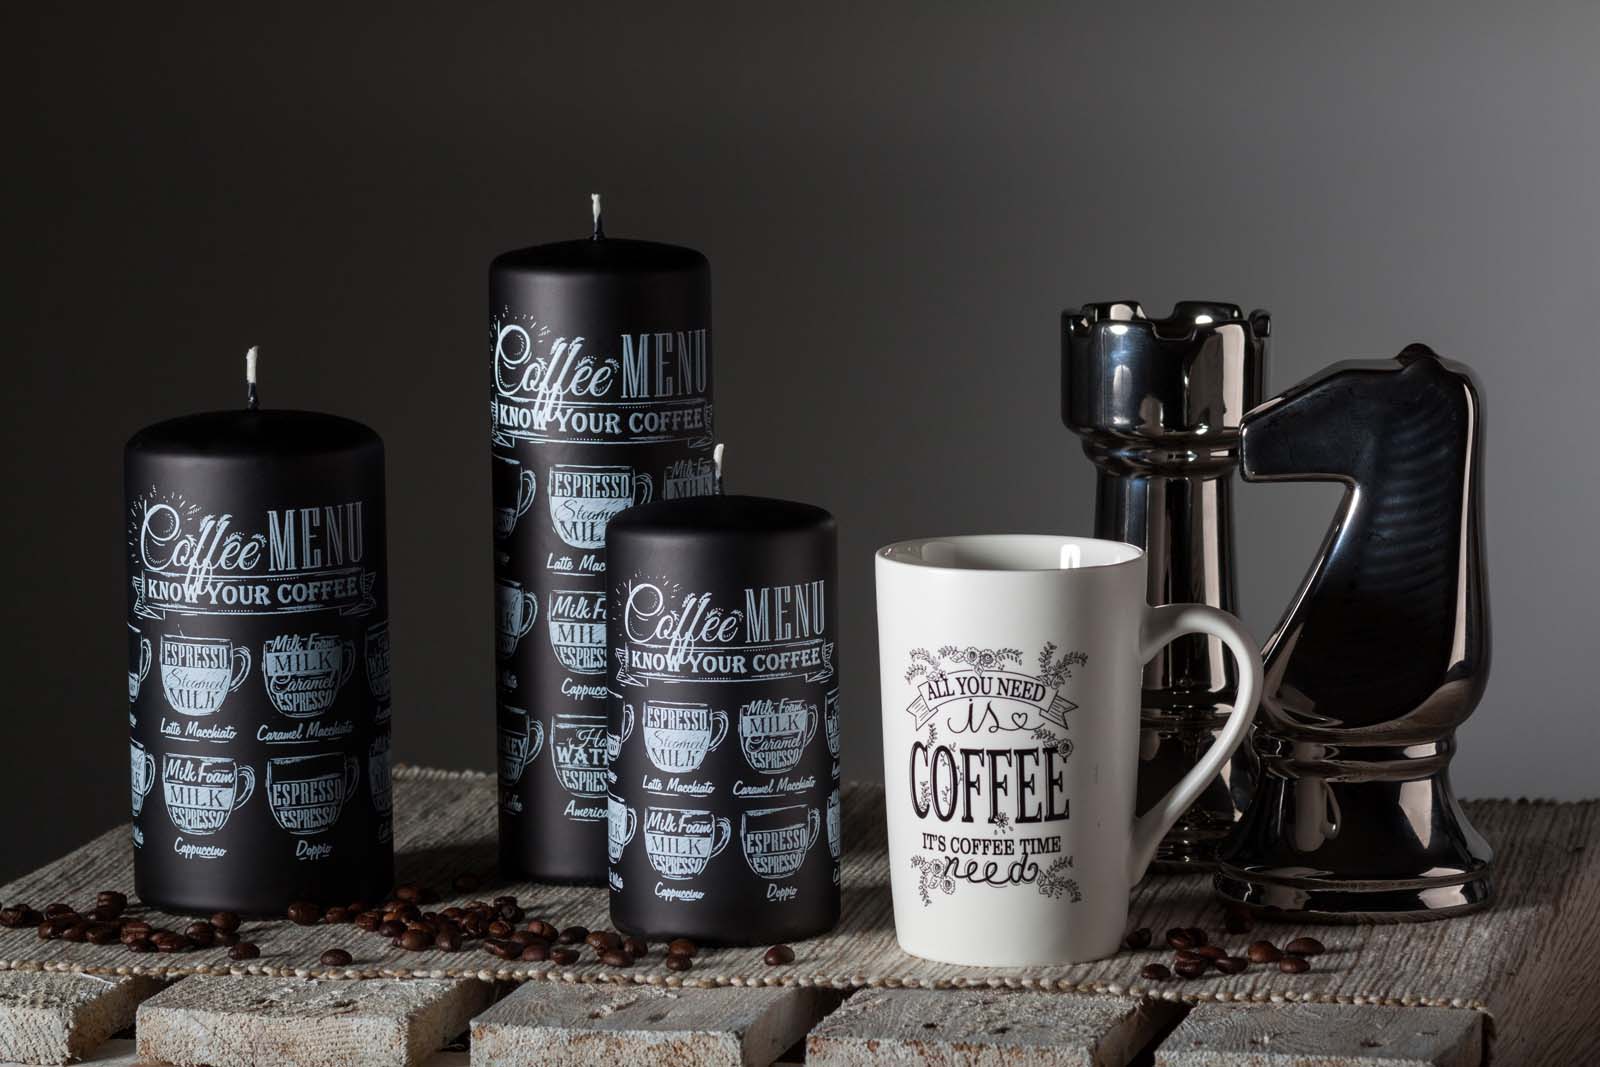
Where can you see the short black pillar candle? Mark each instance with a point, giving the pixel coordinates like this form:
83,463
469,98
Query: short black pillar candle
601,398
724,821
258,669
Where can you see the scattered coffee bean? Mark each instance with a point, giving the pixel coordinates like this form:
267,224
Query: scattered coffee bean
369,921
465,883
1294,965
356,907
678,962
102,933
1137,939
336,915
604,941
636,947
141,944
1191,968
78,931
244,950
778,955
682,946
573,935
506,950
110,898
172,943
500,929
1155,972
543,930
565,957
414,940
225,921
535,951
522,937
616,958
1180,937
1210,952
1263,952
410,892
58,909
393,928
17,916
104,913
448,940
336,957
202,933
1187,955
1231,964
511,913
1198,936
1305,946
304,912
132,932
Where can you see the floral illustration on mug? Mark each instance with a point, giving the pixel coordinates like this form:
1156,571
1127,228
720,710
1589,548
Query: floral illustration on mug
303,673
1053,883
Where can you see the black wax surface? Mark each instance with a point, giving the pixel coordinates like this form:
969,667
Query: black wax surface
242,433
714,516
603,255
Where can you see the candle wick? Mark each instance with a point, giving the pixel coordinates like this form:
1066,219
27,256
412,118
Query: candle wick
251,398
599,229
716,460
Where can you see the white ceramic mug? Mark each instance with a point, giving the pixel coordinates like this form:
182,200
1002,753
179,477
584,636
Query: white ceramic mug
1010,669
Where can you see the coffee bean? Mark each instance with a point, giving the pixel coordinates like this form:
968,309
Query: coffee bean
110,898
1155,972
78,931
1294,965
1137,939
225,921
682,946
336,957
1198,936
368,921
448,940
202,933
465,883
1180,937
304,912
142,944
778,955
535,951
616,958
522,937
14,916
132,932
58,909
1231,964
356,907
244,950
636,947
1236,919
604,941
415,940
228,938
102,933
1187,955
392,928
1210,952
679,962
1191,968
104,913
541,929
410,892
565,957
1305,946
506,950
1263,952
174,943
500,929
573,935
511,913
336,915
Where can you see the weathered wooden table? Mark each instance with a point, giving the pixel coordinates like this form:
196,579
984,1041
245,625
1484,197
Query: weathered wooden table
1515,984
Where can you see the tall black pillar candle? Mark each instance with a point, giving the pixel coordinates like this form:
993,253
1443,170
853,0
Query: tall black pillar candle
724,721
601,357
258,673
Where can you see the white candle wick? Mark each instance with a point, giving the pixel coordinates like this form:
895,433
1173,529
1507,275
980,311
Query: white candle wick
594,202
716,460
250,377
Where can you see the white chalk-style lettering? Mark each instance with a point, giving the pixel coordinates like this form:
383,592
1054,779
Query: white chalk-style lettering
773,734
576,621
303,673
584,498
307,794
200,792
775,840
678,736
682,841
198,673
521,738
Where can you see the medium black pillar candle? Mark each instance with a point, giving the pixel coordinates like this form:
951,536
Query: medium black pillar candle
601,357
724,721
258,671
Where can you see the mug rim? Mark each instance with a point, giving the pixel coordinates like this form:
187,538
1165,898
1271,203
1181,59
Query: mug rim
899,553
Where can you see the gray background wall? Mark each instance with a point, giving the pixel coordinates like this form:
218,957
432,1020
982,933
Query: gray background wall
897,201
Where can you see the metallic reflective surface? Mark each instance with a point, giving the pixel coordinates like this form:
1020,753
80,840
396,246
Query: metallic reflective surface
1159,404
1383,654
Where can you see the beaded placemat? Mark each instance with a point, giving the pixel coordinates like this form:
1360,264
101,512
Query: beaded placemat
445,827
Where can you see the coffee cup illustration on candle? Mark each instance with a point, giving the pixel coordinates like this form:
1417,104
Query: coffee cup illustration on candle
304,672
514,490
678,736
773,734
578,751
692,476
584,498
835,836
576,620
307,793
521,738
138,661
379,782
202,791
515,612
830,722
682,841
377,659
144,774
614,742
776,840
198,673
622,821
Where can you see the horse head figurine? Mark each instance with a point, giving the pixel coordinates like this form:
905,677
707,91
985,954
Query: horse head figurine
1383,653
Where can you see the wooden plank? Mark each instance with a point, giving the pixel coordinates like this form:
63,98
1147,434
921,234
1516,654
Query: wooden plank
970,1028
57,1018
1324,1035
123,1052
241,1021
607,1025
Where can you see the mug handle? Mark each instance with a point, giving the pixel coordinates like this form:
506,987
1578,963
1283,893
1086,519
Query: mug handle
724,834
242,656
643,481
248,777
527,489
721,729
535,737
627,722
149,774
349,650
144,658
633,824
814,821
812,718
1162,625
530,614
